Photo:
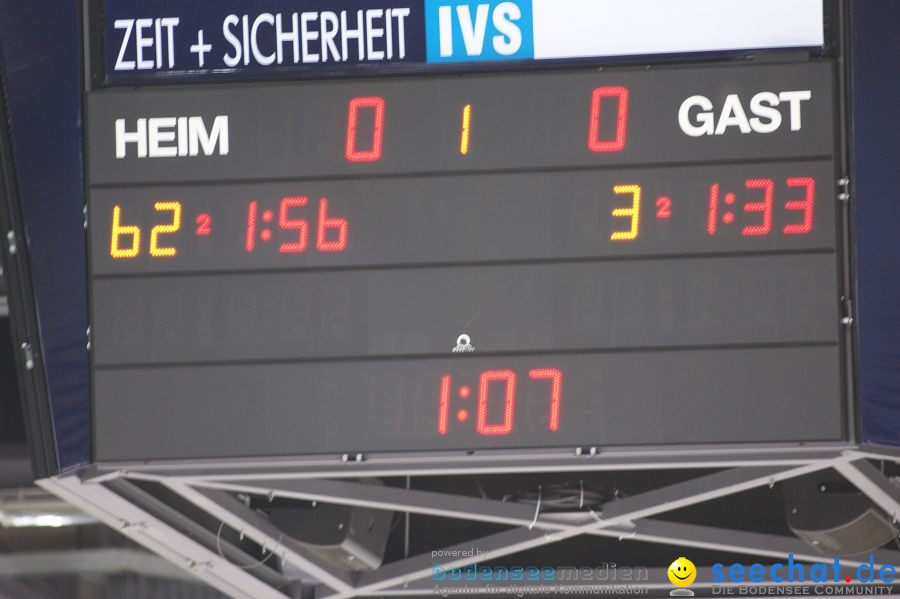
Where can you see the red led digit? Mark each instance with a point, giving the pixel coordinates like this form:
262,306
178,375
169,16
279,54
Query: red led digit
806,205
251,226
713,217
444,407
765,206
505,427
555,378
376,103
297,224
618,142
204,222
326,223
663,207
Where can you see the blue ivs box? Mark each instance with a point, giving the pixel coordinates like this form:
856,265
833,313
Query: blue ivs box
473,30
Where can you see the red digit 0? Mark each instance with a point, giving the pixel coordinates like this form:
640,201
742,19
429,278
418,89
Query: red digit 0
618,142
505,427
352,154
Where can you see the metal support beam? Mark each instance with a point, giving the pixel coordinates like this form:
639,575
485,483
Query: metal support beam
694,491
613,514
741,542
485,462
868,479
497,512
514,514
91,561
625,519
232,512
380,497
184,524
160,538
421,566
877,452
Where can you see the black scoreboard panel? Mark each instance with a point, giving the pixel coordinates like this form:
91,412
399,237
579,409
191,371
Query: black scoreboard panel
698,397
541,120
450,263
504,308
477,217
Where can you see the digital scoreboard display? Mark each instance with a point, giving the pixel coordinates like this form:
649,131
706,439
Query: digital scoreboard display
456,263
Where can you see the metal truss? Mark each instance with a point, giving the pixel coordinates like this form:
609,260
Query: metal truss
115,497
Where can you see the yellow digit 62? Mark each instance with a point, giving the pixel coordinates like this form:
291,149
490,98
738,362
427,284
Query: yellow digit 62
173,227
634,213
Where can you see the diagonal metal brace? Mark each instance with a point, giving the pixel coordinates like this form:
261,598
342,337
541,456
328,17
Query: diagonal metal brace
238,516
868,479
614,514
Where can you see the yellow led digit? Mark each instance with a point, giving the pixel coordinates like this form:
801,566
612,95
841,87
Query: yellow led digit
466,120
174,226
634,213
116,250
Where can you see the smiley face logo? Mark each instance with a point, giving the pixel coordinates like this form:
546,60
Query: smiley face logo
682,572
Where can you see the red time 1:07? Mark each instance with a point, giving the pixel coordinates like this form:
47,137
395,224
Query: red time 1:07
377,105
487,380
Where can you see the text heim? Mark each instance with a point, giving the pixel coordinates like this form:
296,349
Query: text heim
173,136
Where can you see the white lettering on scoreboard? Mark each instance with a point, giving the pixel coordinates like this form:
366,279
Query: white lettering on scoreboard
146,49
165,137
697,115
438,31
363,35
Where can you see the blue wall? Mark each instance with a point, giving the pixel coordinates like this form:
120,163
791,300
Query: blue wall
39,41
876,199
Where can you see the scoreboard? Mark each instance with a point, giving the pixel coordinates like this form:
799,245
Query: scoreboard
625,257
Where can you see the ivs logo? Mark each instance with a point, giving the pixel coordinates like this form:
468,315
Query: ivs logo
473,30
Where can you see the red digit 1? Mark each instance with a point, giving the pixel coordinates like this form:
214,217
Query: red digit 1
806,205
765,206
325,223
354,155
444,406
505,427
297,224
618,142
251,226
713,215
555,378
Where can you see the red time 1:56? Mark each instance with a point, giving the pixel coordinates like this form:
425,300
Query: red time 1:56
331,232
